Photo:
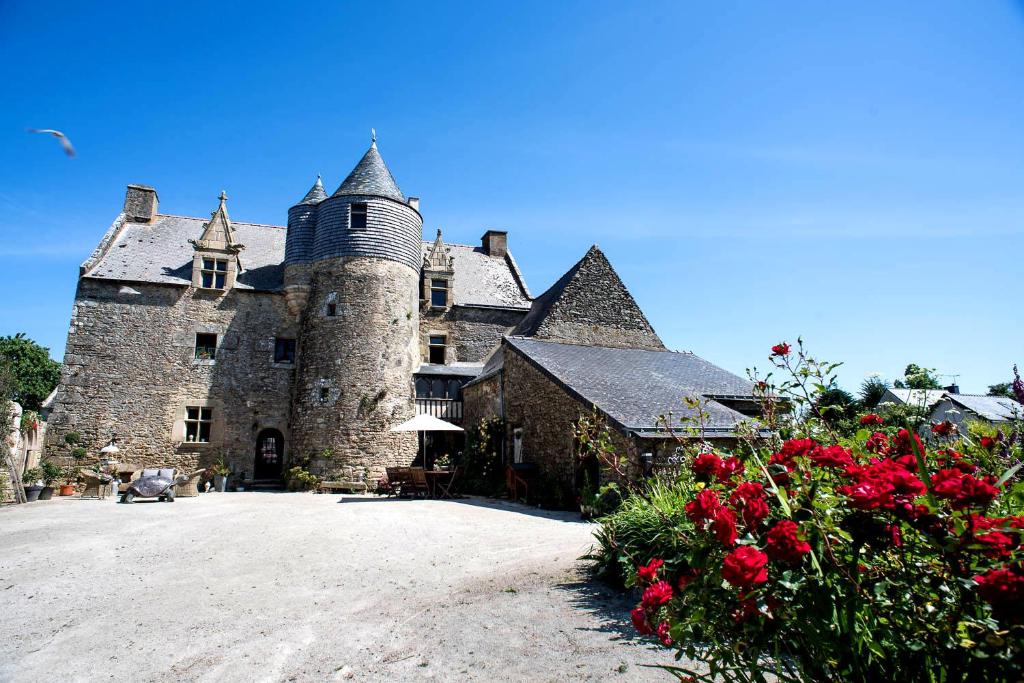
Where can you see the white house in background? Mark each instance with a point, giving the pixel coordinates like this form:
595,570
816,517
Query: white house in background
920,398
962,408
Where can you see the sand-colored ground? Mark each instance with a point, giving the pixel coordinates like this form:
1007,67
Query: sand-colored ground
282,587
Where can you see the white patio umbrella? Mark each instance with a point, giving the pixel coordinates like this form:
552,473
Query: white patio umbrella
426,423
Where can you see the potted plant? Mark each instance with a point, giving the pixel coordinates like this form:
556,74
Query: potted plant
70,477
51,473
221,471
33,486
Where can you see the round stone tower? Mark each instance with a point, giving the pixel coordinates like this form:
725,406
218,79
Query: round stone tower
358,345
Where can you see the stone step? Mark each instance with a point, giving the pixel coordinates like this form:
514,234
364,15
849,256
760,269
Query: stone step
265,485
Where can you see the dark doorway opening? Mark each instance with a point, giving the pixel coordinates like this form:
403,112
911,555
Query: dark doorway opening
269,455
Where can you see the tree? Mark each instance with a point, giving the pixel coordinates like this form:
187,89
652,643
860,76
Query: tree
1001,389
836,406
916,377
871,391
33,372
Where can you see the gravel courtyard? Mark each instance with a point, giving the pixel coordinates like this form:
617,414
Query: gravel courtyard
274,586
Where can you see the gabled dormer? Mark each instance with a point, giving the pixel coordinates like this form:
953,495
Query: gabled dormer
438,276
216,264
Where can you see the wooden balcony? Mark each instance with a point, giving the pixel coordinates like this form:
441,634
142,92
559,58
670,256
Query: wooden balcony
441,408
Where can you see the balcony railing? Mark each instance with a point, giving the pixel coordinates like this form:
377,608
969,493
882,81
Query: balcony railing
442,408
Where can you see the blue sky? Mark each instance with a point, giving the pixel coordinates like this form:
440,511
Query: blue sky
754,171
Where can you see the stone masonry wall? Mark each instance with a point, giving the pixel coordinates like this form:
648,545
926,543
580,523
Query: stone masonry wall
130,368
355,368
481,401
547,415
472,332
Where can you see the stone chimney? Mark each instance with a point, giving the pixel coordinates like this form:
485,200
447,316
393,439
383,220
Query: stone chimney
140,203
495,243
414,202
952,389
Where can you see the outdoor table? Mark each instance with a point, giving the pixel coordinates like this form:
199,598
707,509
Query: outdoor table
440,480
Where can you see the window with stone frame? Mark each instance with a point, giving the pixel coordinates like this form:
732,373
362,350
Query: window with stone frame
214,273
284,350
206,346
436,347
357,216
332,309
198,421
438,293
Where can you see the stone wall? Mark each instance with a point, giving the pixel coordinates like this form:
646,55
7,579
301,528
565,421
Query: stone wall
472,332
130,368
481,400
547,414
355,368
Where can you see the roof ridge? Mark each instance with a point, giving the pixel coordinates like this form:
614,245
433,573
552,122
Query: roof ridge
233,222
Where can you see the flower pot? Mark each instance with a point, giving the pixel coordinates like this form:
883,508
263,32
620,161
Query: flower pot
32,493
46,493
67,489
220,482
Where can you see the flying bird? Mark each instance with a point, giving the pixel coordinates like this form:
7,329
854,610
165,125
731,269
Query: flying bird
64,142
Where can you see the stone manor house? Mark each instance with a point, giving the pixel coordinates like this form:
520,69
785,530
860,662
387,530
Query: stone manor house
193,339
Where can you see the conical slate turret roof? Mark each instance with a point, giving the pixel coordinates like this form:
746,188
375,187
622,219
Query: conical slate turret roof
315,195
371,176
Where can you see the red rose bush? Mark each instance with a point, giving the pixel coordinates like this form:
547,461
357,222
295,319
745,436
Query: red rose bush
814,557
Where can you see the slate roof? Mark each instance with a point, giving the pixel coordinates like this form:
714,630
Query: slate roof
371,176
991,408
160,252
634,386
916,397
482,280
457,369
315,195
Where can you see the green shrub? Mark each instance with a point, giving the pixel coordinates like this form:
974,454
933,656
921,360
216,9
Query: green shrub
300,479
51,471
482,473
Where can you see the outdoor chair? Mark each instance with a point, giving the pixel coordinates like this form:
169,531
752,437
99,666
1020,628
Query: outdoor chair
401,482
418,481
517,481
190,488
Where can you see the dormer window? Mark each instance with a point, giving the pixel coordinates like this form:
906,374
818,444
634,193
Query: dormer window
438,293
214,273
357,217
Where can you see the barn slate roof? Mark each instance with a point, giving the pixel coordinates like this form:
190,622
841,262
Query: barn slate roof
991,408
159,252
371,177
634,386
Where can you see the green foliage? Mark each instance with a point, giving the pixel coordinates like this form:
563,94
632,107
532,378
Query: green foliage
1004,389
51,471
651,523
481,461
220,467
838,408
34,373
31,476
78,453
72,438
871,391
300,479
916,377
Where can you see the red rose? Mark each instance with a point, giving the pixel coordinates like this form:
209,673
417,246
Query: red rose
706,466
686,577
964,490
731,467
648,572
663,635
656,595
831,456
639,617
897,535
724,526
944,428
780,349
745,567
784,544
868,494
877,443
749,500
796,447
871,419
704,507
902,445
987,442
1004,590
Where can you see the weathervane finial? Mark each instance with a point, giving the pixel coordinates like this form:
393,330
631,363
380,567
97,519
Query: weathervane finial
223,196
373,136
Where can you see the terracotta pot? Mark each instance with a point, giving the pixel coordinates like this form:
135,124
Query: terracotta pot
67,489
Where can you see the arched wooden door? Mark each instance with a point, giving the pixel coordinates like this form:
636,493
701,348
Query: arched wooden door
269,455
